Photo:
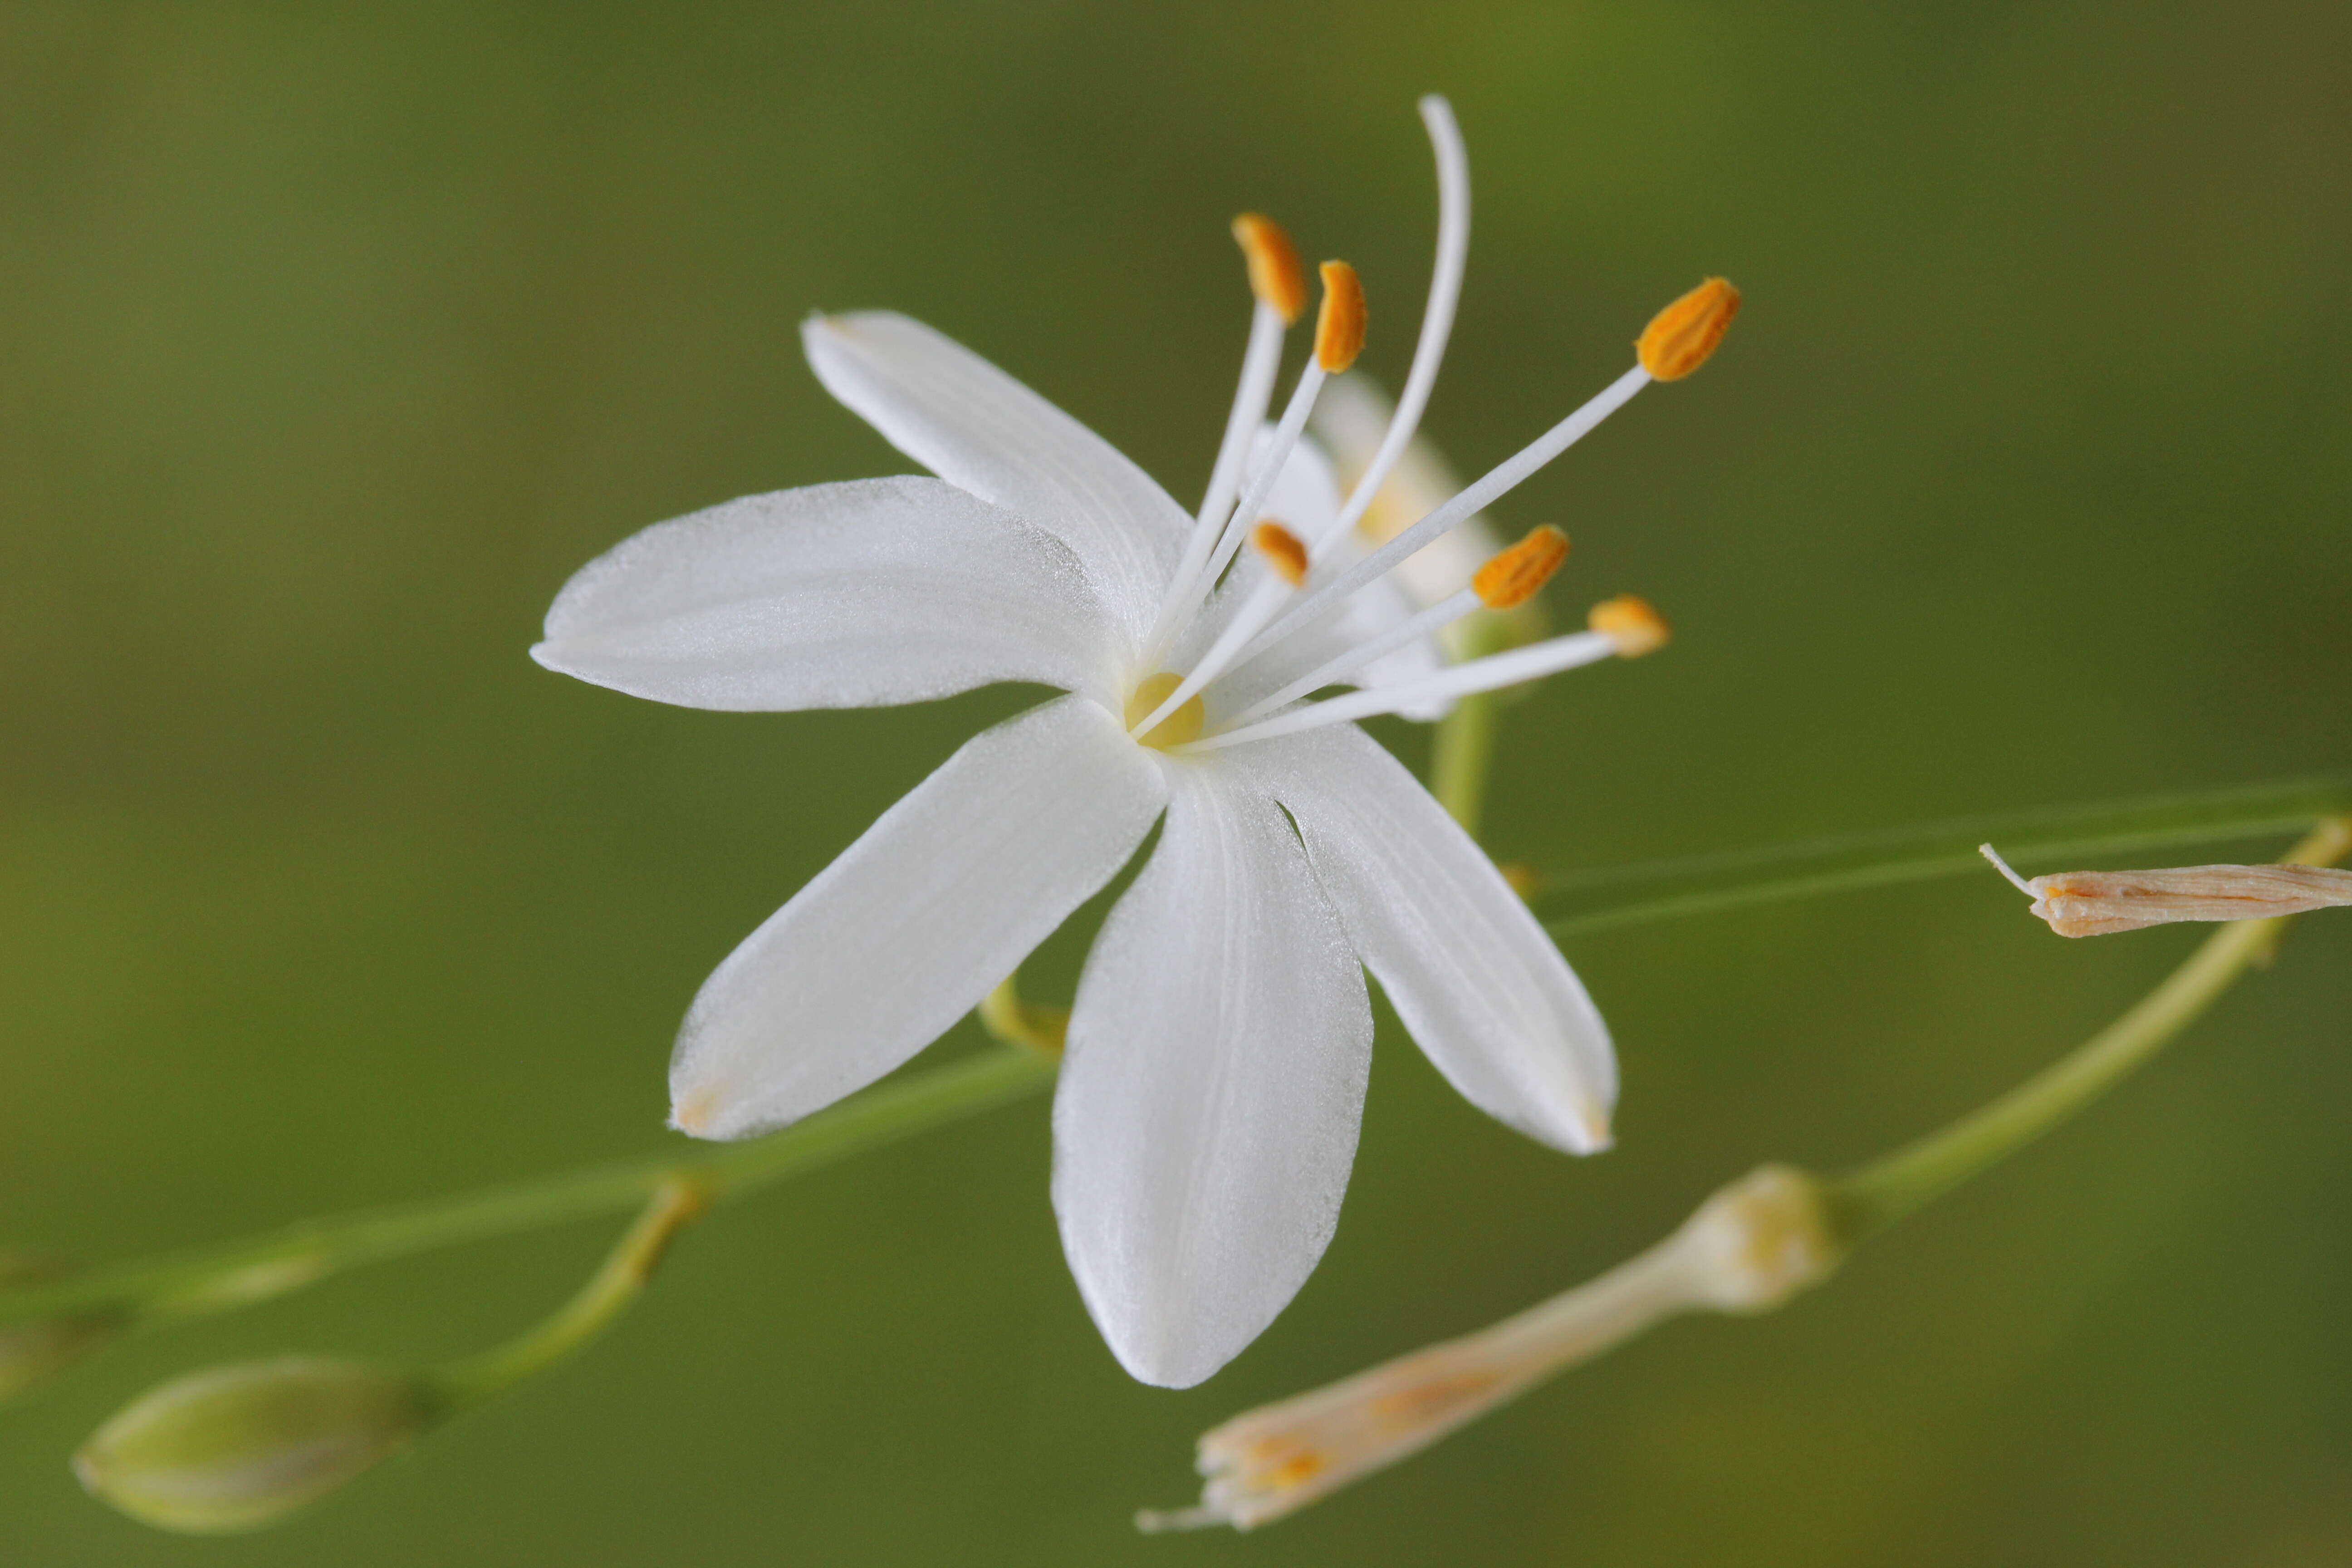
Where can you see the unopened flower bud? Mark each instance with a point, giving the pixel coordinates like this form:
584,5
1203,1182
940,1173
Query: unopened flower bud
2095,903
236,1448
33,1351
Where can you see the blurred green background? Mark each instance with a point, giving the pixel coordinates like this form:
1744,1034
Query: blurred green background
332,339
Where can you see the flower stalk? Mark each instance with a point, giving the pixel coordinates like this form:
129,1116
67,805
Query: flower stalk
221,1276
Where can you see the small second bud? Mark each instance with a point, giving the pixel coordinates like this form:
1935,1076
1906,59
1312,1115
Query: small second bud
1339,324
1679,338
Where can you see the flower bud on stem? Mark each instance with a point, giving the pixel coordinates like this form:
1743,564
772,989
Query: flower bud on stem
235,1447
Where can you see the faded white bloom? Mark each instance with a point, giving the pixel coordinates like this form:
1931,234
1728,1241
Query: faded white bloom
2098,903
1748,1249
1206,1116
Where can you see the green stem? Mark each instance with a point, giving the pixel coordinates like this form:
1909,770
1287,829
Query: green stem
676,1204
1887,1190
1460,756
214,1277
223,1275
1589,900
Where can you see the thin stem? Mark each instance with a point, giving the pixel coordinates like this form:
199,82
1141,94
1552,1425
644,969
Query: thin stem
214,1278
224,1275
1461,756
1590,901
1887,1190
676,1204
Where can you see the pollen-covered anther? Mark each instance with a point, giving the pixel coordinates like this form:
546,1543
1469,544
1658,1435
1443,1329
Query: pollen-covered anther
1182,725
1679,338
1276,275
1282,550
1339,324
1631,624
1511,577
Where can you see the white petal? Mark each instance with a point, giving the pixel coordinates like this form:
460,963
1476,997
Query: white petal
1471,973
1208,1108
832,596
916,922
975,426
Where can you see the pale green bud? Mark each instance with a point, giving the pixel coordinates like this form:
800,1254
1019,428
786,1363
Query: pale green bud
236,1448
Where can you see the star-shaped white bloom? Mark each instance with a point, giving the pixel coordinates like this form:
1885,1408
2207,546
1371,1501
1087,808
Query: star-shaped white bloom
1206,1115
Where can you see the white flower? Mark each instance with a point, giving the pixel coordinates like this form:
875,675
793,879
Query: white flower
1206,1115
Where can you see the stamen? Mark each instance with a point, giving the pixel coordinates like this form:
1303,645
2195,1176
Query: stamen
1282,550
1434,619
1491,673
1274,275
1273,269
1468,503
1339,324
1436,317
1631,624
1186,591
1513,577
1680,337
1173,729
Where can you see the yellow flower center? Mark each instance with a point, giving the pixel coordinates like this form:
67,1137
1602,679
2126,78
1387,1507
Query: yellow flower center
1178,727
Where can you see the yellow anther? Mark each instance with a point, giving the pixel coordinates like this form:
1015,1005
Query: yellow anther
1524,878
1274,275
1283,551
1339,324
1178,727
1510,578
1628,622
1680,337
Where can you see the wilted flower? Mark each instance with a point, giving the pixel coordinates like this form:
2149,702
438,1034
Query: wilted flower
2096,903
1207,1114
1748,1248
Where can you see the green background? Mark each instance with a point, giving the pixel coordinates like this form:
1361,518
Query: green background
332,339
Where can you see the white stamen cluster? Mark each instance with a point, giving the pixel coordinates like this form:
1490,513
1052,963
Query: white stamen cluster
1275,610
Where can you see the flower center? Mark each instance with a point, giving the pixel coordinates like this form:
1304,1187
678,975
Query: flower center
1182,725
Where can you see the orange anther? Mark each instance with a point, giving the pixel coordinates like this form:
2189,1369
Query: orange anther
1631,624
1680,337
1510,578
1282,550
1274,275
1339,325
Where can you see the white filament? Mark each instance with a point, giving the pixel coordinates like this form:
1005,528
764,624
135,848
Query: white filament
1186,596
1428,623
1260,361
1468,503
1436,318
1488,674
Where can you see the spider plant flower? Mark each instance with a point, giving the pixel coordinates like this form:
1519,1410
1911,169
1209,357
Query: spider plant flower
2098,903
1206,1116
